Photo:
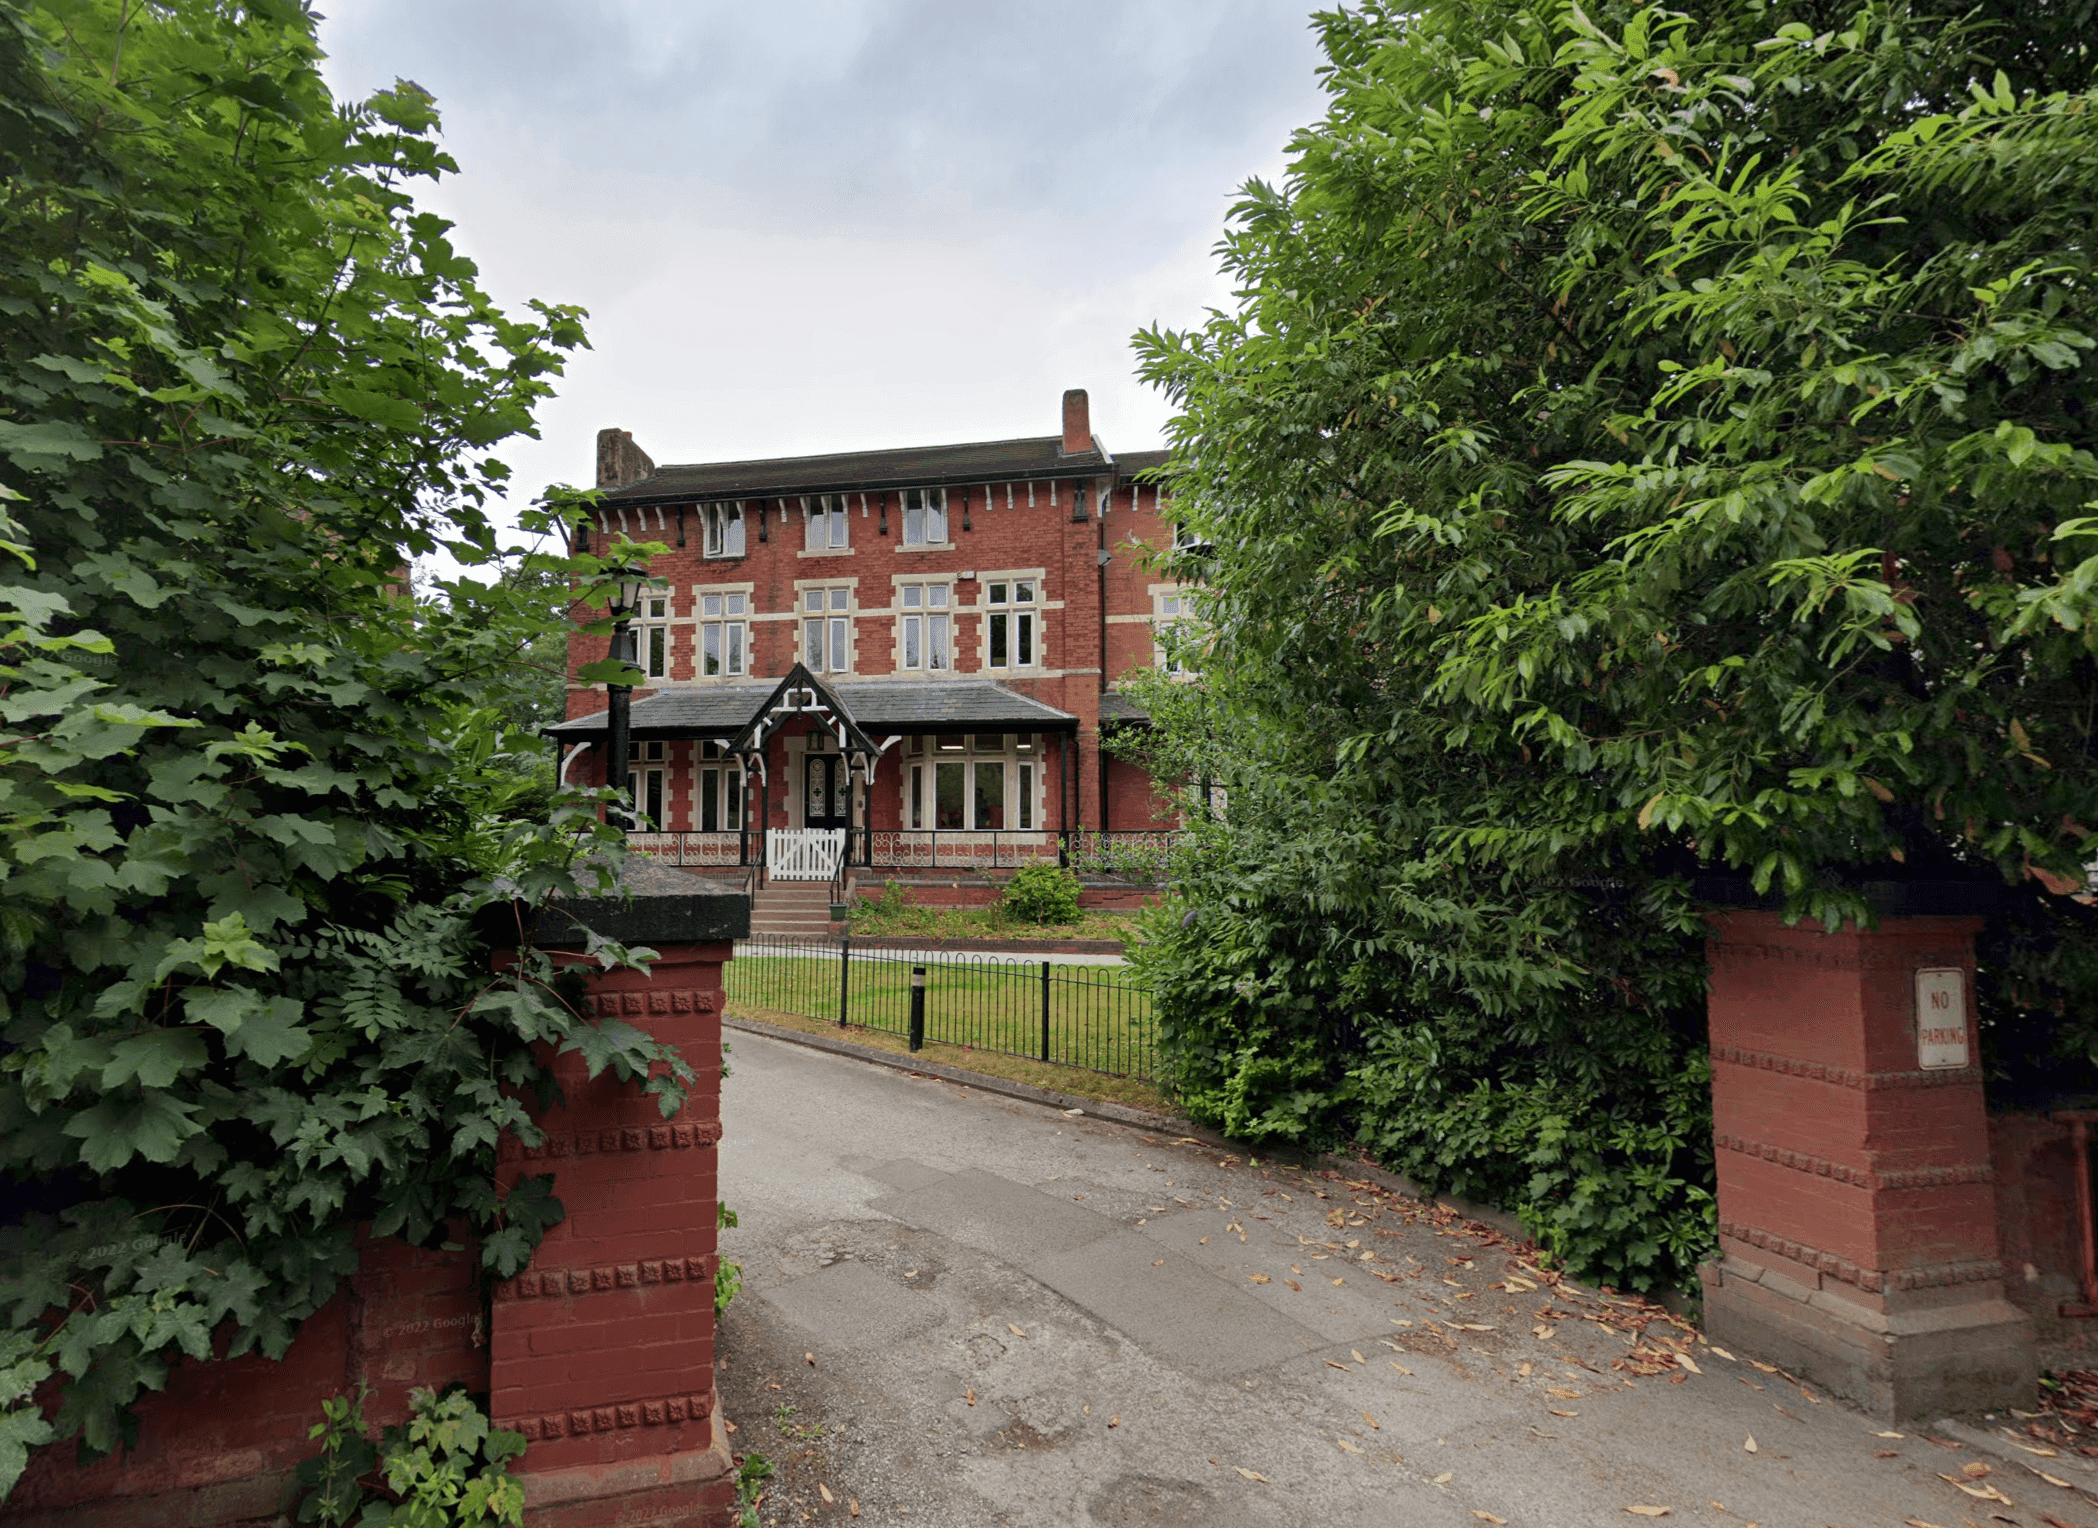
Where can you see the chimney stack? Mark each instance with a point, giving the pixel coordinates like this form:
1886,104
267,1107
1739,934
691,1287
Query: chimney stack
619,460
1078,422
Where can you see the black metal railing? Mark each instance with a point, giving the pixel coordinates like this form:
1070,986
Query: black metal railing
1134,855
1092,1017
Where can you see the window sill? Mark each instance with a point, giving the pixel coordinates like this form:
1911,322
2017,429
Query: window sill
829,551
930,546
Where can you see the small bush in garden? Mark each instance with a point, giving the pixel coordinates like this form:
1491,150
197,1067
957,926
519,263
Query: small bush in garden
447,1466
1041,894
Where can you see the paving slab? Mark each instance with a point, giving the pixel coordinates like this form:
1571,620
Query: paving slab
850,1306
995,1214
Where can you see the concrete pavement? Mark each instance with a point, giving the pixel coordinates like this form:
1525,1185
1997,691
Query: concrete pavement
962,1309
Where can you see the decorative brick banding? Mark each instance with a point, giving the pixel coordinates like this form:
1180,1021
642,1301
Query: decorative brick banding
1871,1280
1820,1167
1870,1082
584,1143
670,1410
558,1283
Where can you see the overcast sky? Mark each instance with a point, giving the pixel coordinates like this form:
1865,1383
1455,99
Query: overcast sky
824,225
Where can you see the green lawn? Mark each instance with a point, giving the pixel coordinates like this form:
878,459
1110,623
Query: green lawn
1098,1020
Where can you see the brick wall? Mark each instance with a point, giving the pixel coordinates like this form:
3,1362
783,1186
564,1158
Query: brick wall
601,1353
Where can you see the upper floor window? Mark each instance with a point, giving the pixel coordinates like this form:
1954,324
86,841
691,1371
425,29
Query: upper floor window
828,529
1176,632
649,636
1187,539
724,634
826,630
1012,622
724,529
924,516
923,627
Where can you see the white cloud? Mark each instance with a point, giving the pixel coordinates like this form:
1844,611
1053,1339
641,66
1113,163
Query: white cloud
832,224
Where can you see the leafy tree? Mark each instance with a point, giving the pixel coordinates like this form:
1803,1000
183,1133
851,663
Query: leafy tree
1648,444
252,795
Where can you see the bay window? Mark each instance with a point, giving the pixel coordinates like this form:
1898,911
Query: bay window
983,782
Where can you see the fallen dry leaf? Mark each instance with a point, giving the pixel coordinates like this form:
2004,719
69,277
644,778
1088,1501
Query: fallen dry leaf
1159,1263
1333,1363
1545,1333
1400,1367
1979,1493
811,1357
1344,1443
1372,1422
2044,1453
1891,1435
1750,1445
1256,1278
1885,1453
1558,1413
1293,1284
1016,1331
1115,1420
1917,1522
1687,1362
1444,1478
725,1422
1563,1392
1357,1356
1523,1372
2054,1480
971,1397
1338,1282
1766,1368
825,1490
855,1505
1252,1474
1395,1321
1647,1511
1723,1353
1487,1517
1975,1471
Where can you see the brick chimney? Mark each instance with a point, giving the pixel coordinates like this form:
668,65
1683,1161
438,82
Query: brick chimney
620,461
1078,422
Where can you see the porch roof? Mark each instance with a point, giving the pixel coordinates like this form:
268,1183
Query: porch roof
885,706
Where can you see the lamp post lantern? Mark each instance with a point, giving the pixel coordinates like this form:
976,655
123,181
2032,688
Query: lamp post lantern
626,600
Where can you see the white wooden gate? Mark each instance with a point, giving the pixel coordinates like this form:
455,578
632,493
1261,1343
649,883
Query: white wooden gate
804,854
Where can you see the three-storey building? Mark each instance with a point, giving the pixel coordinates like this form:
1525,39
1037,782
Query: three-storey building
919,646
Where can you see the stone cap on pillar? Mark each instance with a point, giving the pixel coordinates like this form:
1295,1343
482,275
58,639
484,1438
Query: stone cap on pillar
1975,896
660,906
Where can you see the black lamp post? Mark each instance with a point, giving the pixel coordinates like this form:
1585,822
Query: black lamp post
626,600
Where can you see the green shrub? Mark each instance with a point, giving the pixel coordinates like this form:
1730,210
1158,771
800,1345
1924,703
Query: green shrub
447,1467
1041,893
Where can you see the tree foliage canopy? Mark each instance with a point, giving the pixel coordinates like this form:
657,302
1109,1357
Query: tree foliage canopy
251,795
1646,441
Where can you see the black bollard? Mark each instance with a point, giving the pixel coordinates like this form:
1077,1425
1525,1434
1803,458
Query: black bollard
917,1008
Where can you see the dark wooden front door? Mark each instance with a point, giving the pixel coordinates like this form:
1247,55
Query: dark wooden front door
826,795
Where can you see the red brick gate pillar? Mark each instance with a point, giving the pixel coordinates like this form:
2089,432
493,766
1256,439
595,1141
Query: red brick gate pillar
602,1352
1857,1211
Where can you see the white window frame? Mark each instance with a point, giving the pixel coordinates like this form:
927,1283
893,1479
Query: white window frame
723,528
925,627
724,633
647,780
650,647
717,784
1014,622
1017,755
825,615
924,512
1173,608
827,526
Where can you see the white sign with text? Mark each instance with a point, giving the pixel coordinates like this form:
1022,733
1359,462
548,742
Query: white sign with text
1941,1018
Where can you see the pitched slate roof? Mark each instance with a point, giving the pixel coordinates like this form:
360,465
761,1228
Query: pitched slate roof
991,461
924,705
1132,463
1117,707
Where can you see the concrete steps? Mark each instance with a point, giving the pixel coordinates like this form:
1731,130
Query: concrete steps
791,909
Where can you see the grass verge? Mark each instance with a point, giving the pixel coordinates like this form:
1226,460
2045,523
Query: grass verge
1059,1079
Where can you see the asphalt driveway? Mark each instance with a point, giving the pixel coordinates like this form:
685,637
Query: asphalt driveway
964,1310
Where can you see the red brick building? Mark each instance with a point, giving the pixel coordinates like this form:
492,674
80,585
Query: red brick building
920,647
